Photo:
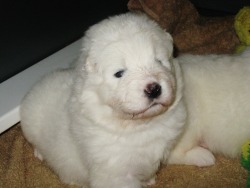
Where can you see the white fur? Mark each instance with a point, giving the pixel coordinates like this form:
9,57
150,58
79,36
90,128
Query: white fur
217,93
93,128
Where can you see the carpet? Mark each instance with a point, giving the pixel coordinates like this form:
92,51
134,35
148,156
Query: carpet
20,169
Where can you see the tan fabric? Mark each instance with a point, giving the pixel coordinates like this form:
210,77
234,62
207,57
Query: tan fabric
20,169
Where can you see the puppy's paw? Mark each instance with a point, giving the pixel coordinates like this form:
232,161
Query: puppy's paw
149,182
38,154
197,156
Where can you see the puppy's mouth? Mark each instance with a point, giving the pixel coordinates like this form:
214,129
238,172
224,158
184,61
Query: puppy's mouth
153,109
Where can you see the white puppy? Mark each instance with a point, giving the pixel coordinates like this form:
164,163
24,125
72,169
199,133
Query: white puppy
112,120
217,93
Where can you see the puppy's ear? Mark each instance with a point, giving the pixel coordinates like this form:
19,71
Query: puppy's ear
169,41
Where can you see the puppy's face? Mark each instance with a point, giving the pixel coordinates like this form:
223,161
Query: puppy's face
135,75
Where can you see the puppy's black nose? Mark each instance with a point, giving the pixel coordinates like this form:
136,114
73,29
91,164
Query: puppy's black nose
153,90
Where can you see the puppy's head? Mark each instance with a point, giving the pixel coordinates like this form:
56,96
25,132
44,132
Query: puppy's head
128,63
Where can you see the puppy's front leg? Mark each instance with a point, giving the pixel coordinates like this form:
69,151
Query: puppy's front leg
188,152
104,179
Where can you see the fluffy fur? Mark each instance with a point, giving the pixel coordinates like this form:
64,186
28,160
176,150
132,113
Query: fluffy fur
110,121
217,94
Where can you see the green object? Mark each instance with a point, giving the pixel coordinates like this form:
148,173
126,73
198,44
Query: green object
245,159
242,28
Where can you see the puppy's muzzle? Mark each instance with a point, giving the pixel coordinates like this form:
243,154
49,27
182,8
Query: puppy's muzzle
153,90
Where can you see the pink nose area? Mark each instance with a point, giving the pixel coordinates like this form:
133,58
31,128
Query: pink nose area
153,90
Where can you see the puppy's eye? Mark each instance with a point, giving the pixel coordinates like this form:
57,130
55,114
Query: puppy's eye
119,74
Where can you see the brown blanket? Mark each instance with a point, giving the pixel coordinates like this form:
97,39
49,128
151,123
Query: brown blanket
20,169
